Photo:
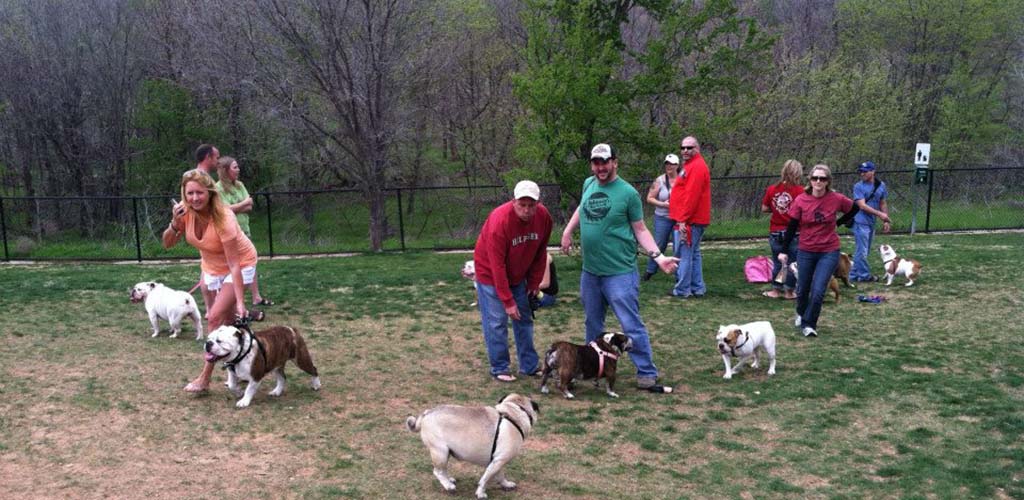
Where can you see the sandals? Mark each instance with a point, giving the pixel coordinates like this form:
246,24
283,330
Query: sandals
504,377
257,315
771,294
263,302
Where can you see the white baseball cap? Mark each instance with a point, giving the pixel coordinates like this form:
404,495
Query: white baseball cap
527,189
673,159
602,151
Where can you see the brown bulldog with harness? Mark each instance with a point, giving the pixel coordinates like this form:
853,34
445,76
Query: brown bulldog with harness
250,356
596,360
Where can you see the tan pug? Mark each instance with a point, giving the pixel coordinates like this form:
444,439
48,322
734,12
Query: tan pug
488,436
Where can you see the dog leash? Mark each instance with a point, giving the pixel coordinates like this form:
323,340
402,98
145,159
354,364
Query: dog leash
193,289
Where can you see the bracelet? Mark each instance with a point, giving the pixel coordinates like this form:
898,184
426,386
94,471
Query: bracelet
176,232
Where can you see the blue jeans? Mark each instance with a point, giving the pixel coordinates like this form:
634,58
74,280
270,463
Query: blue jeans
775,242
815,269
495,325
622,293
690,274
662,232
862,236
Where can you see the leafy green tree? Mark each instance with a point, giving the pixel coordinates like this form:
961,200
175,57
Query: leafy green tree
597,70
949,62
168,127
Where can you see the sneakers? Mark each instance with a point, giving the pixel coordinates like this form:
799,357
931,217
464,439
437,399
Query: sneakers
646,382
810,332
797,322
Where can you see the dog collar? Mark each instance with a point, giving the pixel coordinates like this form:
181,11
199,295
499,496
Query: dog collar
746,337
601,353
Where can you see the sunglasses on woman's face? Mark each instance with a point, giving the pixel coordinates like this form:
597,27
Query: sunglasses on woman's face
819,179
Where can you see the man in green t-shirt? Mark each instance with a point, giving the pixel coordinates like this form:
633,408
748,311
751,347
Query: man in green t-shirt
611,221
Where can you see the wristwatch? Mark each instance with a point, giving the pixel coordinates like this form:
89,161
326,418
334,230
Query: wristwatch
655,254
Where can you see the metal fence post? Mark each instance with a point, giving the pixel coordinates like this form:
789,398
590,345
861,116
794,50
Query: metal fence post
401,220
928,204
270,225
135,215
3,229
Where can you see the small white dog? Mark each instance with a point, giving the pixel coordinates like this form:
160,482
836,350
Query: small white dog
742,341
167,304
469,272
897,266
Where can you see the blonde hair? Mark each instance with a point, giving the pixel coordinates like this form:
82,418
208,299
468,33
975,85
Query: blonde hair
792,172
223,165
828,173
216,205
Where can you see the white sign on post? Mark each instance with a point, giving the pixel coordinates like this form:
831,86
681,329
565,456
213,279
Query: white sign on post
924,152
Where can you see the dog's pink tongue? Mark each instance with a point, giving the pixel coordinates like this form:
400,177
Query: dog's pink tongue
211,357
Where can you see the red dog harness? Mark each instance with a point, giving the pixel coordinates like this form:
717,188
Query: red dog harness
600,358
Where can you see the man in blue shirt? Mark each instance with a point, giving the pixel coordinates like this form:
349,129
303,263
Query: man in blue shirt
869,194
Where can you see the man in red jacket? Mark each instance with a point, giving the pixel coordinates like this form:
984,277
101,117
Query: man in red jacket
689,206
510,258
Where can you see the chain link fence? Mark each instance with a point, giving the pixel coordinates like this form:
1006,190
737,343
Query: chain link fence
438,218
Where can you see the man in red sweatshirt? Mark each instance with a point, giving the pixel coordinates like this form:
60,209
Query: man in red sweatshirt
510,258
689,206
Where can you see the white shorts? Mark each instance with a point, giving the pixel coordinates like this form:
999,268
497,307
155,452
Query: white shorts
214,283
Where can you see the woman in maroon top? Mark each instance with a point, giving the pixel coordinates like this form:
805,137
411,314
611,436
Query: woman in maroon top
777,200
813,214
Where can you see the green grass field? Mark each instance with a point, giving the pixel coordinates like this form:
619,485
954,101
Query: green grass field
921,396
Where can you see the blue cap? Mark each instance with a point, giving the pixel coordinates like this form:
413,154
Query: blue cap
866,167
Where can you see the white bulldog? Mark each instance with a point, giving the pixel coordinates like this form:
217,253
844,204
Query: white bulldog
167,304
742,341
469,272
897,266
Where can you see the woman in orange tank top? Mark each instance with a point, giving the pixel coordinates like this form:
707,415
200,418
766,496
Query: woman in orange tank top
227,257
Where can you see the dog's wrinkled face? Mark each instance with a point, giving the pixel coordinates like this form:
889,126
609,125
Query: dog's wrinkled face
469,270
727,338
139,292
223,342
619,340
887,253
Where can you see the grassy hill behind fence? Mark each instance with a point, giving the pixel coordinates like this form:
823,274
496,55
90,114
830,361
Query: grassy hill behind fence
450,217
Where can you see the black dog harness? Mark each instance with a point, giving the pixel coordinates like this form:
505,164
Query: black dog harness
497,430
230,365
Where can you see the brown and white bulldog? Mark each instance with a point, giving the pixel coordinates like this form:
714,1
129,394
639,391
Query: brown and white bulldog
833,283
596,360
742,341
843,270
489,436
898,266
251,356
